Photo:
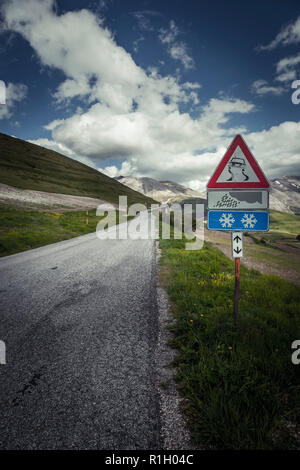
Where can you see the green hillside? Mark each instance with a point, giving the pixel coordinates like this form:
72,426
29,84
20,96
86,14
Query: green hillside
28,166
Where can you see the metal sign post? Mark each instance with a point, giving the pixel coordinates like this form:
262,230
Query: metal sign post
236,291
237,254
238,201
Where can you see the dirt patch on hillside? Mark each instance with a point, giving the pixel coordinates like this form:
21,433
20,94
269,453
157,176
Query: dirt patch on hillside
30,199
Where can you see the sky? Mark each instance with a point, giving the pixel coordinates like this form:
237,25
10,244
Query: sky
154,88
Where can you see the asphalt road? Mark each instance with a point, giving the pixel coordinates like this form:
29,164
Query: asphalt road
79,319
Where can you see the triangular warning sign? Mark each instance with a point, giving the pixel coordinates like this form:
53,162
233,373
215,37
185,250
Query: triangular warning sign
238,169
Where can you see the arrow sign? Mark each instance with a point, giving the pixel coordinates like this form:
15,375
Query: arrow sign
237,244
238,169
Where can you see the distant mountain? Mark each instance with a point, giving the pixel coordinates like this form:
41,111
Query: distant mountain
285,194
28,166
162,191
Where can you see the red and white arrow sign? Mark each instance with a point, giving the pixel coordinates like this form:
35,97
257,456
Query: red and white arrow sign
238,169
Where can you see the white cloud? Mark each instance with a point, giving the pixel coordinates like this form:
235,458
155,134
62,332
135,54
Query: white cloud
78,44
178,52
52,125
176,49
111,171
15,92
127,168
289,34
261,87
287,63
287,76
168,36
286,68
277,149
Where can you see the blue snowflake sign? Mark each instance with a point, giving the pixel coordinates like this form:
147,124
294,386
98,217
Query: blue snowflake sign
247,221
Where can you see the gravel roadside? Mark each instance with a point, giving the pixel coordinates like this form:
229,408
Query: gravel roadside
174,431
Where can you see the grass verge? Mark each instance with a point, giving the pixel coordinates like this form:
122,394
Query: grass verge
240,387
24,230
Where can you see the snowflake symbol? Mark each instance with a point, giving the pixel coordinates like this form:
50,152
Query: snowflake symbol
226,220
249,220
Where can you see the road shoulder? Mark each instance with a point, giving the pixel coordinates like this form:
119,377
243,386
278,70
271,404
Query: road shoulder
174,431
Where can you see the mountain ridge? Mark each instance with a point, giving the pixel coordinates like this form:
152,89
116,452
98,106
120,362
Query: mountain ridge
284,191
164,191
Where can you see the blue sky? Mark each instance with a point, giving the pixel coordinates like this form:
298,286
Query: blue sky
153,88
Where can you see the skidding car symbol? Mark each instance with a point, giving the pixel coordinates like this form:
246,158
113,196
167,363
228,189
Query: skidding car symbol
236,168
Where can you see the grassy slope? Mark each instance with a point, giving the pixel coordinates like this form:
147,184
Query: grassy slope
284,225
241,389
24,230
30,166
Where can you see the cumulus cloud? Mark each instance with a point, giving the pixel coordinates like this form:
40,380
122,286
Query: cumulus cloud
15,92
277,149
127,168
